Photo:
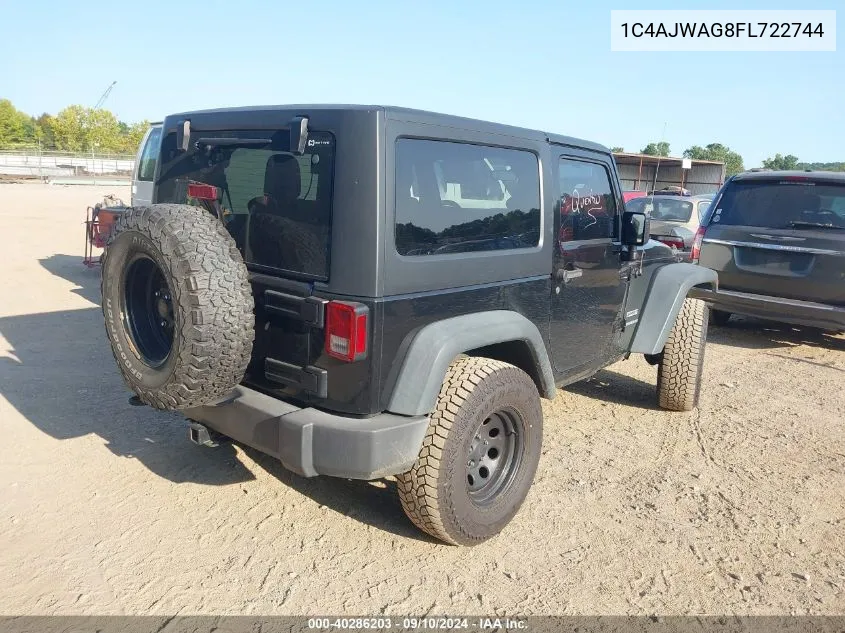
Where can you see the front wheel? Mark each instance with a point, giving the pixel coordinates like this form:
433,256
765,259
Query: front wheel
480,453
682,361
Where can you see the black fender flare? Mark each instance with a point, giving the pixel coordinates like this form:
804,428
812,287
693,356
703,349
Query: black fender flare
434,346
664,298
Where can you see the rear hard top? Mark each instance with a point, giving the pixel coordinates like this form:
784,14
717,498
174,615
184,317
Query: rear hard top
340,182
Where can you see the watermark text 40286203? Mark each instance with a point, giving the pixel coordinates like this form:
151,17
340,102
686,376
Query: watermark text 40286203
723,30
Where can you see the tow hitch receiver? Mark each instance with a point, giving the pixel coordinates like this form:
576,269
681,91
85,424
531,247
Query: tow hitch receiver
200,435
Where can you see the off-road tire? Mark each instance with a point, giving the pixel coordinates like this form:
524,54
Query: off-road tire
720,317
212,305
681,364
434,493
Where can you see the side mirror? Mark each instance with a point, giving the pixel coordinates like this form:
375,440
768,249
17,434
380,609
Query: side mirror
635,228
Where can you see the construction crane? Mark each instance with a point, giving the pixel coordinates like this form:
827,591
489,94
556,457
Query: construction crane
105,96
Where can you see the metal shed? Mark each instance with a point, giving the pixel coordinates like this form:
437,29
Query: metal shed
643,172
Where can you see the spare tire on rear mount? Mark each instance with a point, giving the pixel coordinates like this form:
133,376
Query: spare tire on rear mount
178,305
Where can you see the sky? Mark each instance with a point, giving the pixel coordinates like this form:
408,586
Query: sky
544,65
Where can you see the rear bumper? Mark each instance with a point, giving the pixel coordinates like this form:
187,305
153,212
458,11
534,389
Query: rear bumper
807,313
312,442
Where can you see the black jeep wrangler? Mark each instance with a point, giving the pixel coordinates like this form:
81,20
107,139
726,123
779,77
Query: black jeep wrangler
368,291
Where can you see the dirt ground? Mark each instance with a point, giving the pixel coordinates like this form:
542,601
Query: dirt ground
738,507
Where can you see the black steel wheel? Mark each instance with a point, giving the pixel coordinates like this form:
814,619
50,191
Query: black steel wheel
148,310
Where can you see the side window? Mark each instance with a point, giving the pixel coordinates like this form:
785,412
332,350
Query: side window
147,169
702,209
587,203
639,205
458,198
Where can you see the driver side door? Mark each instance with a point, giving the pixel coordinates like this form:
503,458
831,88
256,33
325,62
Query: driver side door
588,276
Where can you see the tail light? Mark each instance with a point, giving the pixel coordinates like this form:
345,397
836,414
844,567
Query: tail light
670,240
202,192
696,244
346,330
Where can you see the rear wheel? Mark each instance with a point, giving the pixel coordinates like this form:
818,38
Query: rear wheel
720,317
681,364
480,453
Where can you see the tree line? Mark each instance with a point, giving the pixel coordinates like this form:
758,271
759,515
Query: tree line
733,161
76,128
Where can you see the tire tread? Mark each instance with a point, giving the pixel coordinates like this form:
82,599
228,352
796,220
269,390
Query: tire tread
213,295
679,372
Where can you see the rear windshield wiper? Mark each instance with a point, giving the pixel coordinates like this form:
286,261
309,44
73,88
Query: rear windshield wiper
797,224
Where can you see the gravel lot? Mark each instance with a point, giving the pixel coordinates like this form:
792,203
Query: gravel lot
738,507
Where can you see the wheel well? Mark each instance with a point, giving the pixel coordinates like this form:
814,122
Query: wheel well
517,353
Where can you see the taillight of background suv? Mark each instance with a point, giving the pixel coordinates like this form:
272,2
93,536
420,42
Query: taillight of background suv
696,244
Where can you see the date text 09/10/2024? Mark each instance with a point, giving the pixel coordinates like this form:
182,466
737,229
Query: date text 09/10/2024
418,624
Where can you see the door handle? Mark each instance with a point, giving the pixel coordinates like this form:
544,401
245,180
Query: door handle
568,275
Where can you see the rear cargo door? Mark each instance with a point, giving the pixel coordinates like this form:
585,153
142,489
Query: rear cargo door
780,237
276,204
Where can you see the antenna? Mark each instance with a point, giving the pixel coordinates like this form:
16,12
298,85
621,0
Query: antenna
105,96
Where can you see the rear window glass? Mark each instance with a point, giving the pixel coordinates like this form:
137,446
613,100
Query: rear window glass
459,198
672,210
276,205
663,209
778,204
